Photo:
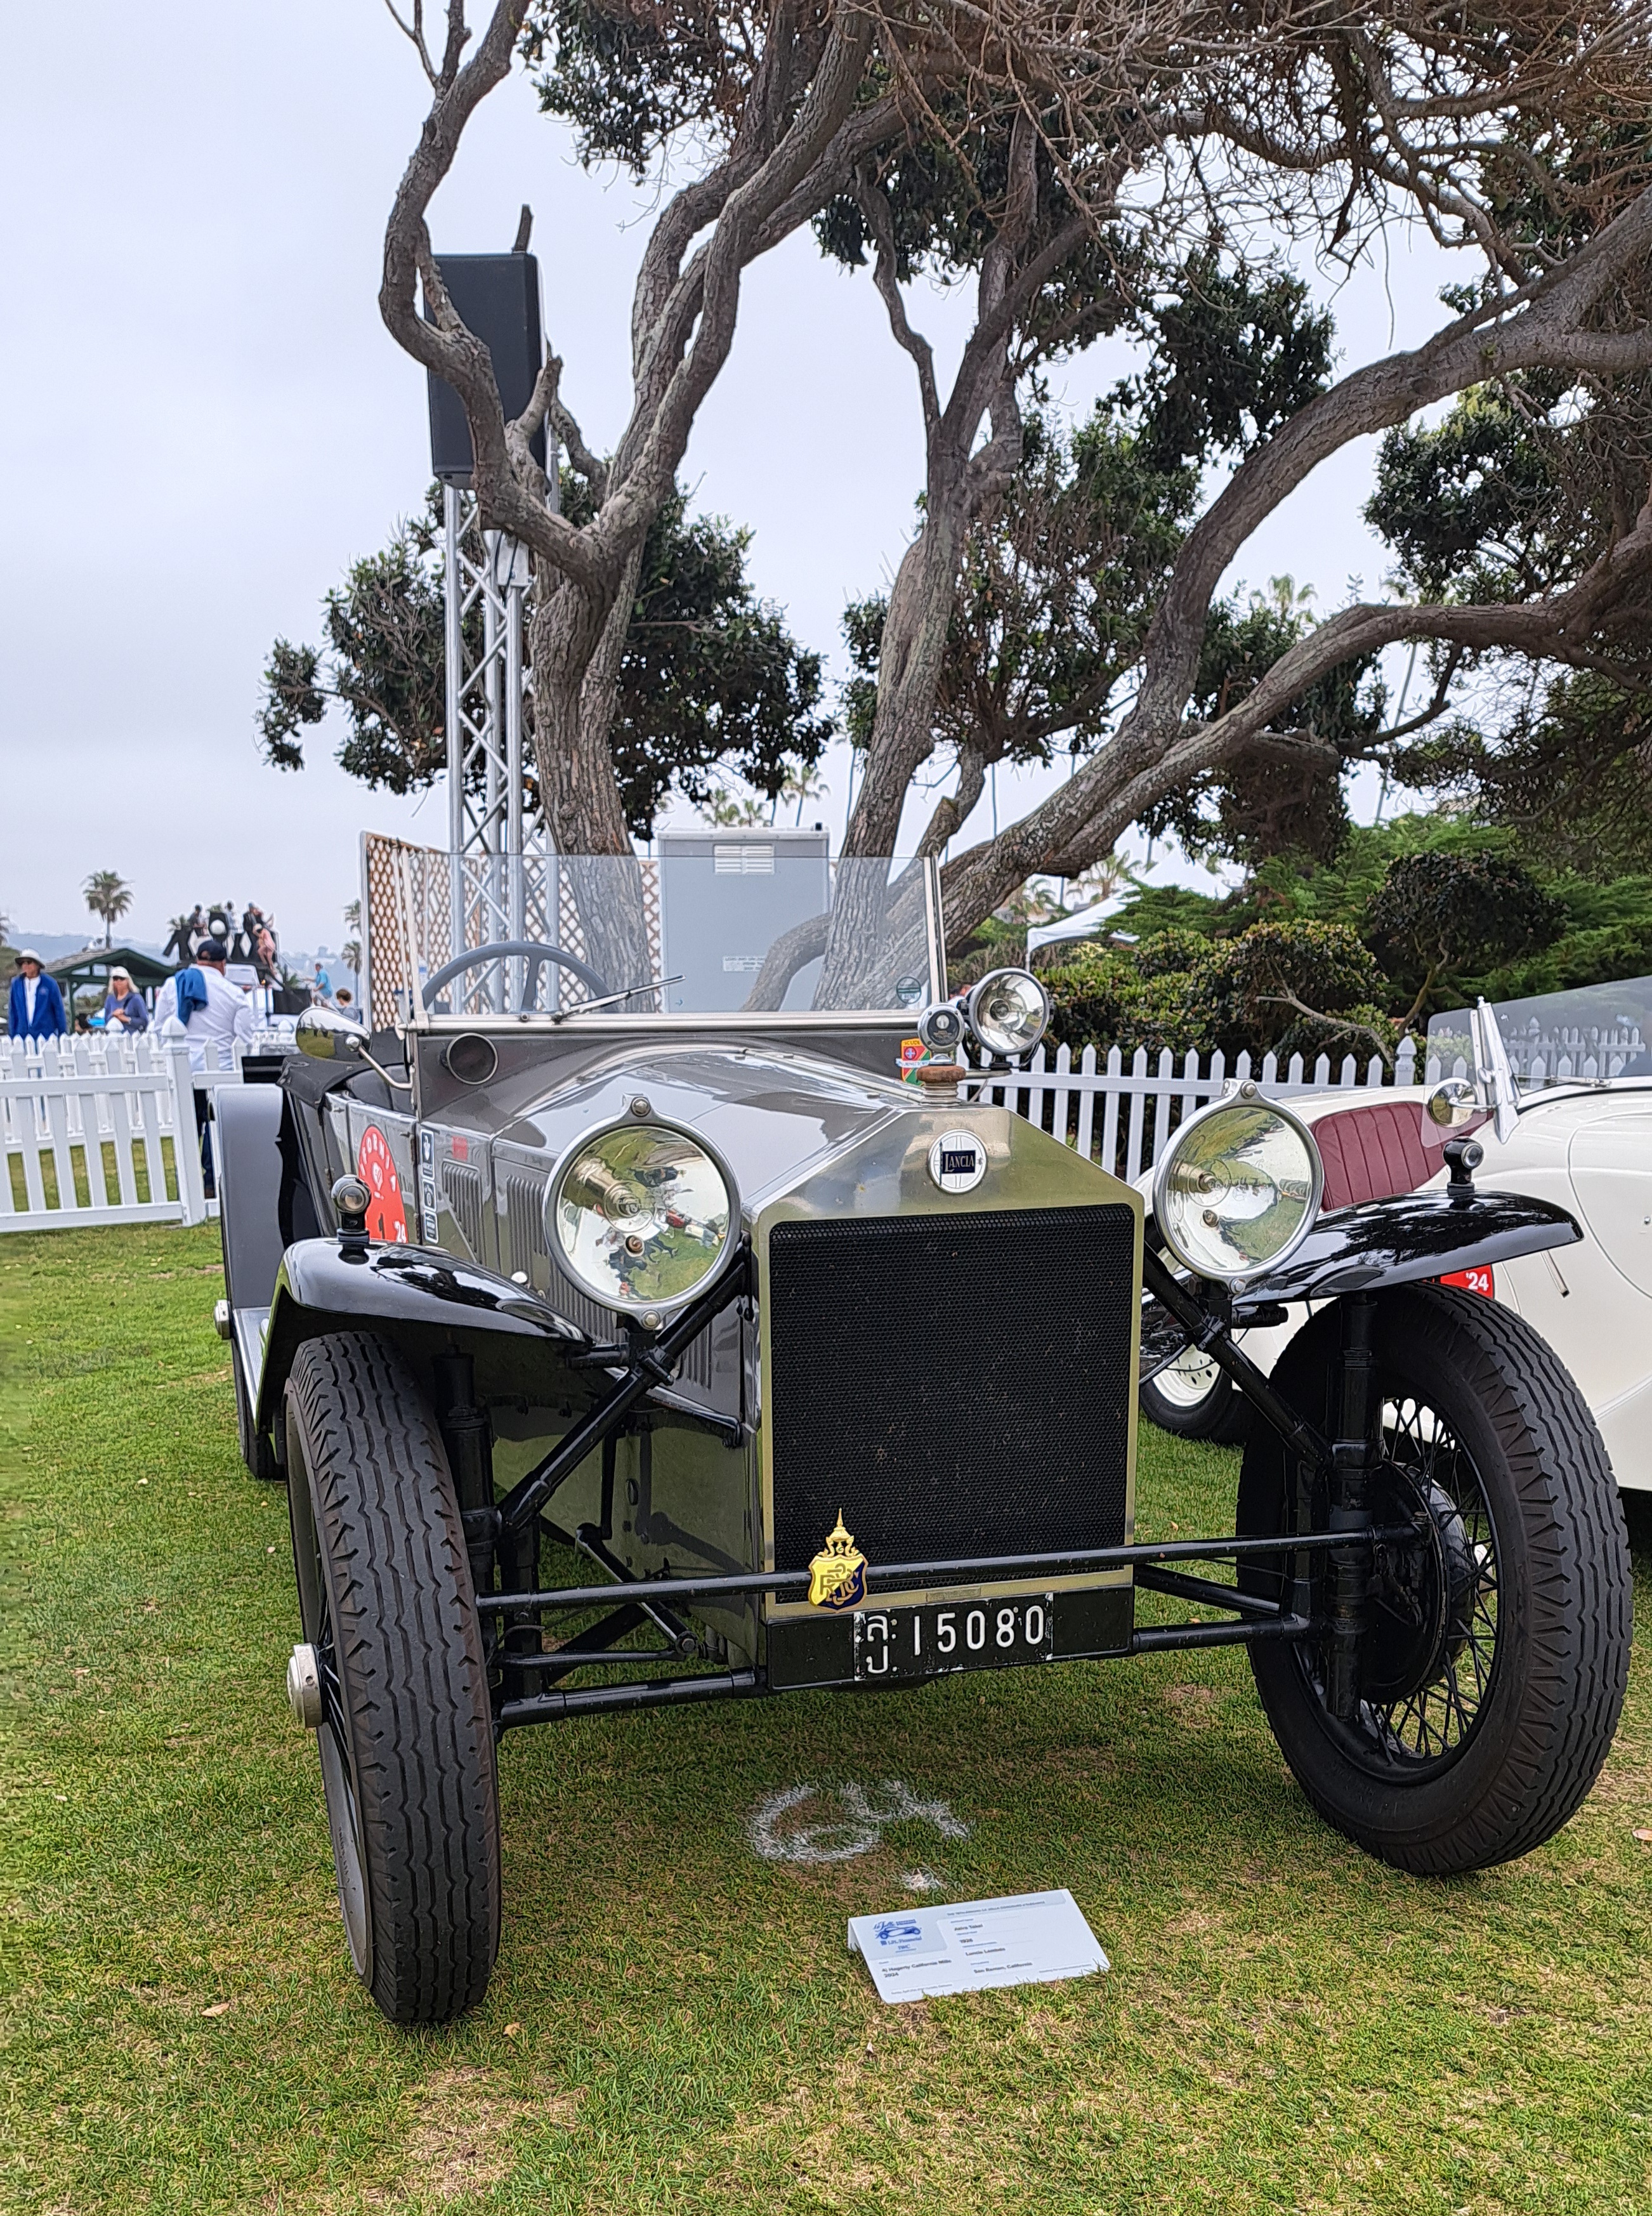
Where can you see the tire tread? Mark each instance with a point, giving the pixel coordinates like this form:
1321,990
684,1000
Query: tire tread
408,1651
1568,1633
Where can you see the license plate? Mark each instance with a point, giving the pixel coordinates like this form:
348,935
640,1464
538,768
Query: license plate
927,1642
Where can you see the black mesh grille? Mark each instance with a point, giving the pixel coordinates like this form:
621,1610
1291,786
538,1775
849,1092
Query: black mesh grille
955,1384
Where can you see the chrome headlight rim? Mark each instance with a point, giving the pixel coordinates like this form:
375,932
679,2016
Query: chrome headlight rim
977,994
1246,1095
661,1308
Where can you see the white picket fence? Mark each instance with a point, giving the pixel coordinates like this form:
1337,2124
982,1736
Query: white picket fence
1100,1106
125,1096
96,1131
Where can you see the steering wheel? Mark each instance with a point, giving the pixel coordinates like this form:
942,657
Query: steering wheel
534,950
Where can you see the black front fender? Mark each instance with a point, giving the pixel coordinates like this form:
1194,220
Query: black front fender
1401,1242
424,1303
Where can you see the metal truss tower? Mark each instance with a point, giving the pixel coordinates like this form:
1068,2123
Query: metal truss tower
486,573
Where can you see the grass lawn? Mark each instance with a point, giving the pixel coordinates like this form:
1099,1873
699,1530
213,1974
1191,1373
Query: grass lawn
675,2023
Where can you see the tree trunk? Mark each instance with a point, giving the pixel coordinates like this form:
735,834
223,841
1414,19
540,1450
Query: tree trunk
908,674
577,640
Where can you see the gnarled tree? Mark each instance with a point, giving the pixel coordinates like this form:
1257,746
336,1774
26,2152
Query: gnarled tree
1077,163
1527,149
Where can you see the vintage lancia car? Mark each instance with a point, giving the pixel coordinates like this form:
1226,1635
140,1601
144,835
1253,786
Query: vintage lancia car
658,1317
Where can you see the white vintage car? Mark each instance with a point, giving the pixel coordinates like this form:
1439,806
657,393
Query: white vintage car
1557,1091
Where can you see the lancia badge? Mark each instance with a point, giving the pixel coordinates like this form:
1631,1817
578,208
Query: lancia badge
837,1576
958,1162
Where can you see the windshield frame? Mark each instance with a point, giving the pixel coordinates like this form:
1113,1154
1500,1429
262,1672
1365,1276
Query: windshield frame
414,1016
1500,1068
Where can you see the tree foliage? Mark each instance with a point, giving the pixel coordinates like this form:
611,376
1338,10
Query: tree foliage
1438,916
1568,769
382,660
1526,488
1283,792
1298,988
710,679
108,896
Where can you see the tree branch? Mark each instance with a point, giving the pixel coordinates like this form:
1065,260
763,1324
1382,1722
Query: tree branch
874,206
1544,332
825,105
415,31
444,344
1336,1022
1090,813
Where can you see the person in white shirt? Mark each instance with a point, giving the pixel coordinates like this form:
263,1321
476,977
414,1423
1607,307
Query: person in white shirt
209,1009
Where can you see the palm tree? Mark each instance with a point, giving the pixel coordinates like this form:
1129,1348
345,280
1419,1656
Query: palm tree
109,895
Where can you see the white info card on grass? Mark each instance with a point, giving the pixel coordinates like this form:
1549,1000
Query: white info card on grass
1025,1939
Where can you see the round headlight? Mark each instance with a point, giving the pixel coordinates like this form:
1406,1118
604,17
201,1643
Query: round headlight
1238,1187
641,1215
1008,1011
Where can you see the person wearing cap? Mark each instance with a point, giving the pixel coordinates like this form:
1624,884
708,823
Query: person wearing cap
210,1007
35,1010
123,1007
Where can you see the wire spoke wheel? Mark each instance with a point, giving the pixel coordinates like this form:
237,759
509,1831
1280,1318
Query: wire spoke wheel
1490,1676
1431,1656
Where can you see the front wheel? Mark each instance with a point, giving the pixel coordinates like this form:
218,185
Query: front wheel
1493,1672
393,1680
1197,1399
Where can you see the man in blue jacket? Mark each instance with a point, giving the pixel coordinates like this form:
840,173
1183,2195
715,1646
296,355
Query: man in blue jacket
36,1009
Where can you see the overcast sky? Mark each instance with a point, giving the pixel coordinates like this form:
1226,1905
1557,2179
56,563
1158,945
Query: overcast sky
203,421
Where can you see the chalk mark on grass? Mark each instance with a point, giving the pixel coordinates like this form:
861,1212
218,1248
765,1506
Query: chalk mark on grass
840,1838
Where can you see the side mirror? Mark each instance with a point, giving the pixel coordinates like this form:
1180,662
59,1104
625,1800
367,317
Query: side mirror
331,1036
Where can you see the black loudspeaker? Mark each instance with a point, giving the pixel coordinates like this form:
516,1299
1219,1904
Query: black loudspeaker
497,297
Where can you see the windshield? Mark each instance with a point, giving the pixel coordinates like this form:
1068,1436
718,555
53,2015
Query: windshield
1593,1033
751,921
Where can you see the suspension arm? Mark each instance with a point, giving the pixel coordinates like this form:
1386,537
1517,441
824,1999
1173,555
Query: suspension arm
649,1366
1208,1331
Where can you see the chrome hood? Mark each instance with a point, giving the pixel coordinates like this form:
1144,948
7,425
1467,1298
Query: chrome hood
775,1115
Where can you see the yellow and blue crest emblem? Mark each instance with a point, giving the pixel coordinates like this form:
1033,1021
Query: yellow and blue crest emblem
837,1575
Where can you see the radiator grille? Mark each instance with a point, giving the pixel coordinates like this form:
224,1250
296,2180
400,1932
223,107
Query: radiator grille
525,1223
463,1186
954,1384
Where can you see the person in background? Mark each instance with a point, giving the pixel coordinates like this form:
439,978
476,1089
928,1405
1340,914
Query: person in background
35,1011
210,1008
343,998
123,1006
324,983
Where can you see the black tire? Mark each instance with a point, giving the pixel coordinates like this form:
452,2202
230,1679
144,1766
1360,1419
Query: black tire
1492,1683
406,1737
1196,1400
257,1449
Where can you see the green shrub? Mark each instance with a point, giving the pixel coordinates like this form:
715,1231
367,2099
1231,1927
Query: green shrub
1297,987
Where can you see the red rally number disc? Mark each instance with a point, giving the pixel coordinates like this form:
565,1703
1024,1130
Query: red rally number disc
376,1166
